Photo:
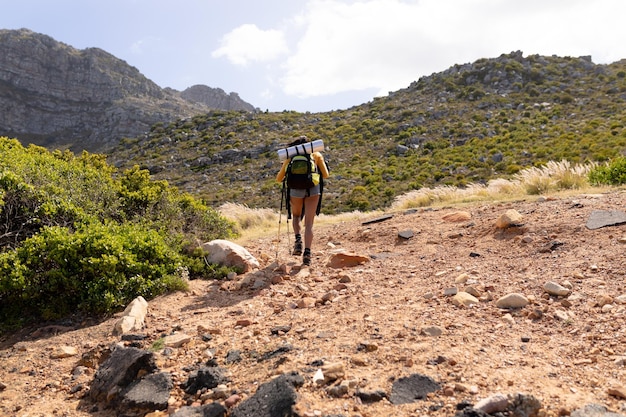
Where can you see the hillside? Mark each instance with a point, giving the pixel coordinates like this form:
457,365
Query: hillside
391,317
54,95
468,124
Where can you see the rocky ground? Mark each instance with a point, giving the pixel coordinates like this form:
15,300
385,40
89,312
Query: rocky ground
396,314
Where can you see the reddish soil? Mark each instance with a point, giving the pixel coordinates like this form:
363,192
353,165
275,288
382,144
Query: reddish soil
374,318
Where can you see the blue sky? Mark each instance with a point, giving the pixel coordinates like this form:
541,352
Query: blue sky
319,55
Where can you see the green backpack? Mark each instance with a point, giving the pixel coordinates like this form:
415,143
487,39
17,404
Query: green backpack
302,173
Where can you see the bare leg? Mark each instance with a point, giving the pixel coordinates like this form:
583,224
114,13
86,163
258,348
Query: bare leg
310,207
296,213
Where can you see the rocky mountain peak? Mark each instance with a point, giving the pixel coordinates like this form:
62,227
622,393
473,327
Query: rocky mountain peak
54,95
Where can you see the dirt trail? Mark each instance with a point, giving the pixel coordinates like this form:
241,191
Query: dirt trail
377,319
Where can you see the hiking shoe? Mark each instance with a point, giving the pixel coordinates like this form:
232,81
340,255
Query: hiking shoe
306,258
297,248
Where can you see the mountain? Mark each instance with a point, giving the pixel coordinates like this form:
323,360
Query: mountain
465,125
54,95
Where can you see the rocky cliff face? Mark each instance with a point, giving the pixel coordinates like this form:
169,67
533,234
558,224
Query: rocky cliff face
54,95
216,98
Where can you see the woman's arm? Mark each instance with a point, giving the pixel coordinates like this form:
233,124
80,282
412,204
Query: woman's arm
283,170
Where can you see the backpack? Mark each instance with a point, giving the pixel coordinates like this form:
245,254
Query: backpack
302,173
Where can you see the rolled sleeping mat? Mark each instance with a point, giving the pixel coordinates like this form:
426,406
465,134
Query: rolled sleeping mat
301,149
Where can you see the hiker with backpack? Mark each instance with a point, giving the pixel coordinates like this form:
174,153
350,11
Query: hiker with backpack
303,177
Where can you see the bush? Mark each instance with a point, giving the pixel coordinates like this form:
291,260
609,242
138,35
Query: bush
612,173
73,237
96,269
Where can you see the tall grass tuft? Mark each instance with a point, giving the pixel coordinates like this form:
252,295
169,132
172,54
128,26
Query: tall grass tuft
553,177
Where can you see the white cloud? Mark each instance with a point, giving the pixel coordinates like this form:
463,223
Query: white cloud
387,44
248,43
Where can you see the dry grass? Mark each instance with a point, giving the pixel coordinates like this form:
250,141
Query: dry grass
555,178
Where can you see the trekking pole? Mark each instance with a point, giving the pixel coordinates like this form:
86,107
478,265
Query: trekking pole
280,219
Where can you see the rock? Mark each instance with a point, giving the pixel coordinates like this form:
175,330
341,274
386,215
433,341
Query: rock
457,217
371,396
472,291
205,377
405,234
343,260
333,371
463,299
223,252
602,218
594,410
561,315
619,392
149,393
461,279
274,398
118,372
176,340
508,318
495,404
231,401
63,352
555,289
134,317
306,302
207,410
449,292
524,405
432,331
513,300
511,218
412,388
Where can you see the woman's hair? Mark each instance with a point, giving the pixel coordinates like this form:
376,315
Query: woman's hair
301,139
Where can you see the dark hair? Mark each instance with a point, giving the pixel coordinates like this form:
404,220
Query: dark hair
301,139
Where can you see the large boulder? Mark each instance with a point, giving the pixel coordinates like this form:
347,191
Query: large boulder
224,252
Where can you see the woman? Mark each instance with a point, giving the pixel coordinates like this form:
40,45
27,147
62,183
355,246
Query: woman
304,203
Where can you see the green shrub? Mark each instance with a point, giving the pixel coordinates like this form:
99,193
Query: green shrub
96,269
612,173
76,238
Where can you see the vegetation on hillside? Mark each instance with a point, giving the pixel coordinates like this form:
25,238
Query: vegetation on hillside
466,125
75,235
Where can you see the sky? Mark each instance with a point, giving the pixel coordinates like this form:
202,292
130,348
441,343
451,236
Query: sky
320,55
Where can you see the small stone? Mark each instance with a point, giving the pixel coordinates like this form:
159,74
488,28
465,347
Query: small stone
472,291
176,340
62,352
561,315
495,404
405,234
231,401
432,331
461,279
306,302
367,346
513,300
508,319
555,289
448,292
511,218
463,299
457,217
333,371
619,392
607,308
